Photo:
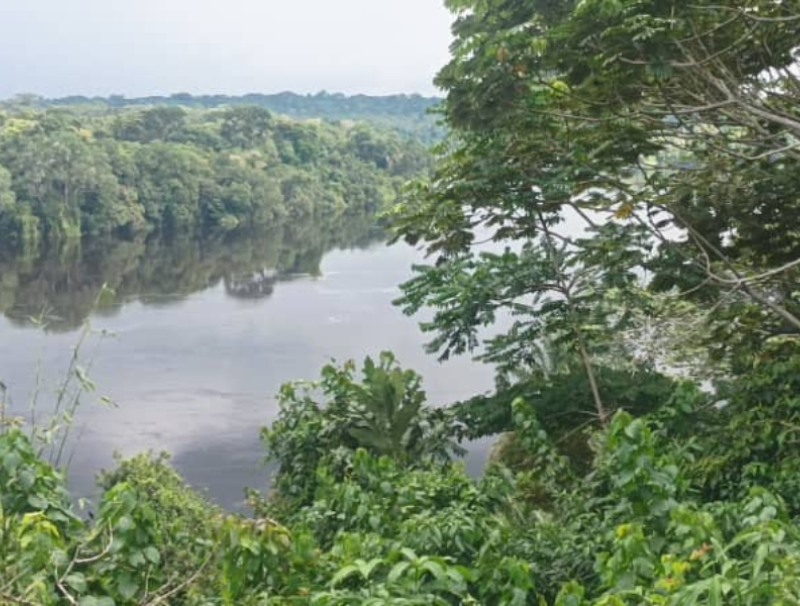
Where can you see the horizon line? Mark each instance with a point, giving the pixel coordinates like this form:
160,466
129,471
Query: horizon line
185,94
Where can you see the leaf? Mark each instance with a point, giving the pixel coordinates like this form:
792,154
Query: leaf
436,569
560,86
106,295
27,478
77,581
83,378
37,502
367,568
397,571
761,555
624,211
136,558
152,554
408,554
715,593
124,524
344,574
127,587
11,461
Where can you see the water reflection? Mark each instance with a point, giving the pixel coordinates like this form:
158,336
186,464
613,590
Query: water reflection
62,285
204,335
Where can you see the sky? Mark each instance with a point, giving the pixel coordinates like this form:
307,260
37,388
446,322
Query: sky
148,47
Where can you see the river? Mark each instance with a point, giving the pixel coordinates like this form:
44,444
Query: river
201,334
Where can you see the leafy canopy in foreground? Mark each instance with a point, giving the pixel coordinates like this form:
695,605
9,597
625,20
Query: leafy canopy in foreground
384,413
644,521
639,163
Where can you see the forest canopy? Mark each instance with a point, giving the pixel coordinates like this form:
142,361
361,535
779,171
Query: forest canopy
409,115
66,172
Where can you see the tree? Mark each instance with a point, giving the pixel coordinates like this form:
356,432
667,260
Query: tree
600,134
76,172
242,194
156,124
172,179
384,414
17,223
59,174
245,126
7,197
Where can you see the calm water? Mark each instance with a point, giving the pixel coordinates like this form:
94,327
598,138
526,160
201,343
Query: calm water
204,334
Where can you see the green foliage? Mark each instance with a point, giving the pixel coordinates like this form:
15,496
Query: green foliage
30,485
162,530
383,413
562,398
645,522
408,115
667,132
753,440
69,172
611,146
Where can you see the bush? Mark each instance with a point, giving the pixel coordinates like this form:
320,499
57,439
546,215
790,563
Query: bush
384,414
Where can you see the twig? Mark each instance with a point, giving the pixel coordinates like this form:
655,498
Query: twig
15,599
100,555
178,588
76,560
64,592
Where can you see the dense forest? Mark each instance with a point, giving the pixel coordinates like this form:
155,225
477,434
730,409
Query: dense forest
639,163
68,173
409,115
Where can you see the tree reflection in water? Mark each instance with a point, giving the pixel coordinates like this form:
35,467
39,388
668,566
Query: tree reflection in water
62,284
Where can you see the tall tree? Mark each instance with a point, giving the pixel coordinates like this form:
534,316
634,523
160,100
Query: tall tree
611,144
245,126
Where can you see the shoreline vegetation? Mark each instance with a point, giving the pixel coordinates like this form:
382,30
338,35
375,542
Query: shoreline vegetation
648,383
67,172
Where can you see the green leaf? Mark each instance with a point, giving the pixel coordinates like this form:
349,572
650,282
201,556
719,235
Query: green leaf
137,559
436,569
127,587
408,554
152,554
344,574
397,571
367,568
27,478
124,524
37,502
715,593
77,581
761,555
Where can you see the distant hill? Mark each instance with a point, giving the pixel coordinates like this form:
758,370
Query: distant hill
406,114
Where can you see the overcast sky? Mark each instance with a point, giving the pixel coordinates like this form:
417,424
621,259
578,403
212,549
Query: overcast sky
143,47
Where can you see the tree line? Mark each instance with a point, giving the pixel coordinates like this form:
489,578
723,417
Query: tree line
66,174
409,115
